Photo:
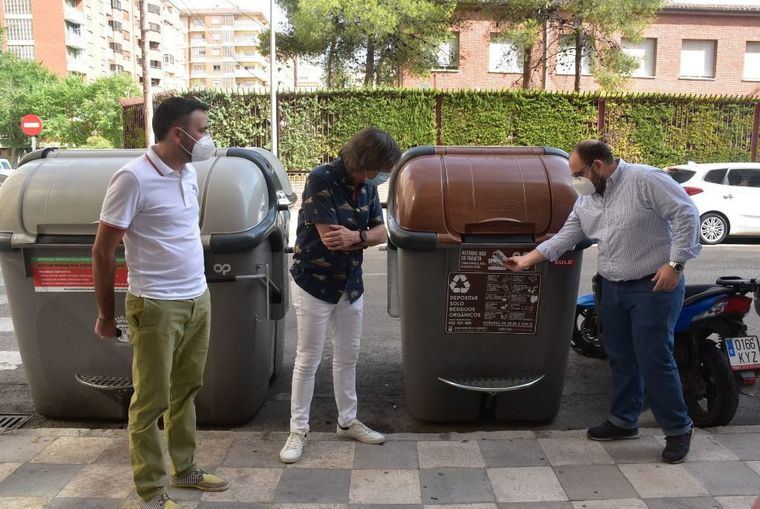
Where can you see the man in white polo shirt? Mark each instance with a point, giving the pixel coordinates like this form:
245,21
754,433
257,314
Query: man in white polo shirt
152,204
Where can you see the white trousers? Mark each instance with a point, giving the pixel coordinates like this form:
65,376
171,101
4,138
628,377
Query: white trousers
314,318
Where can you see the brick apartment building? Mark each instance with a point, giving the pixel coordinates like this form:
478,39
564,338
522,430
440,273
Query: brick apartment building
690,48
96,37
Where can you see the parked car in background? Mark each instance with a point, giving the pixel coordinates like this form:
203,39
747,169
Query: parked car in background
5,169
727,196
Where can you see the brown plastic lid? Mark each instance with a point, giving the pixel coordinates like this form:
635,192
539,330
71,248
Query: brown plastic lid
459,191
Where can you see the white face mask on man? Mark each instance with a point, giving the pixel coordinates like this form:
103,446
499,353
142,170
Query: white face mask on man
583,186
202,149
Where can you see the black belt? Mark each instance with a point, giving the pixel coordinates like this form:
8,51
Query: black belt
645,278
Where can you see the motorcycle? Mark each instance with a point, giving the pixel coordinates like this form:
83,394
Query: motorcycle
713,350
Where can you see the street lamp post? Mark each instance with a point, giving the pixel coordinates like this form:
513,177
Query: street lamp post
273,78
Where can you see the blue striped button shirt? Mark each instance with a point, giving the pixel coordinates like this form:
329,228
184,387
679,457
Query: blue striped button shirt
644,220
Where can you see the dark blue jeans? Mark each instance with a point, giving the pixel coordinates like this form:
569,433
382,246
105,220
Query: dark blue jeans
637,326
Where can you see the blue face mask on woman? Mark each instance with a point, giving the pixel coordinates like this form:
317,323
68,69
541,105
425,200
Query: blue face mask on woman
380,178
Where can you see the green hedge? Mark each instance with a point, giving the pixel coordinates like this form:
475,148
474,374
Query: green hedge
657,129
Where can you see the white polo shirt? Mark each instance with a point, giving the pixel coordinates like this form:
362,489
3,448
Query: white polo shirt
159,211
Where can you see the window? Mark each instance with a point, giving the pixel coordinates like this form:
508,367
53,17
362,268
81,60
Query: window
504,56
18,30
155,9
680,175
155,27
198,23
566,56
25,52
117,68
217,67
116,4
698,58
744,177
18,7
228,67
447,55
215,20
115,25
645,51
155,64
715,176
217,84
216,52
198,52
752,61
199,67
168,59
228,20
153,45
115,46
154,82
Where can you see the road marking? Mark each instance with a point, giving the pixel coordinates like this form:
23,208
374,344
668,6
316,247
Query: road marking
9,360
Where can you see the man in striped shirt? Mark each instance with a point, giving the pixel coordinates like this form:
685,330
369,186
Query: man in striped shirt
646,228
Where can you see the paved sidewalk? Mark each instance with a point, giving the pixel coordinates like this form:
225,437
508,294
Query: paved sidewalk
89,469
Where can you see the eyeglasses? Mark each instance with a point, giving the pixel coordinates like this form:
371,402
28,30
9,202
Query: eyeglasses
583,172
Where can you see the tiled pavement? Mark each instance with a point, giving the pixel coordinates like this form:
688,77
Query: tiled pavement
83,469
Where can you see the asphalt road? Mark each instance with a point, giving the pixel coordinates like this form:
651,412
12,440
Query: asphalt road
380,380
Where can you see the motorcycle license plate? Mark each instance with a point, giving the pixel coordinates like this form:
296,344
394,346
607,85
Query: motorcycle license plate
743,353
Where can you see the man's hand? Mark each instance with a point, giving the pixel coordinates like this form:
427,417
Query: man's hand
106,329
340,238
666,279
518,263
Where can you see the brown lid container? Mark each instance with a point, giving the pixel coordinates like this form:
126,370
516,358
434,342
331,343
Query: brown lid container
460,191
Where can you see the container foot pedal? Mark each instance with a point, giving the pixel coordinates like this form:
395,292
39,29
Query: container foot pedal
106,383
493,385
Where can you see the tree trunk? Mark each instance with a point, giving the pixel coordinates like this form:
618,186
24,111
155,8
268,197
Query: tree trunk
330,63
578,57
369,67
527,66
545,57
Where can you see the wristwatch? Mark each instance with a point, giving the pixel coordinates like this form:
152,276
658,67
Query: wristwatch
362,236
677,266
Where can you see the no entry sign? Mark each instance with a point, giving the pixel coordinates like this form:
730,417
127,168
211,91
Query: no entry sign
31,125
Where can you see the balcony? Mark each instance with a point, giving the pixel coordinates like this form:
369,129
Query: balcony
246,25
251,58
246,41
252,74
74,39
76,64
198,42
73,14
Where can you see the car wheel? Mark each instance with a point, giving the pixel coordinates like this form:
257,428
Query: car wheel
713,228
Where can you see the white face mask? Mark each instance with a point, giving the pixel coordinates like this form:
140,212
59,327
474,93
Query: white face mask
202,149
583,186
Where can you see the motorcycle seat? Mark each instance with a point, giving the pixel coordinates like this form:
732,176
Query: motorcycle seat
698,292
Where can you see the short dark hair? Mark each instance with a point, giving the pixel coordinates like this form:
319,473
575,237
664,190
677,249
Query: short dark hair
173,112
370,149
590,150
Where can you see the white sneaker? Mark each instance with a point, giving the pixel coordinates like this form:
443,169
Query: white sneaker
360,432
293,448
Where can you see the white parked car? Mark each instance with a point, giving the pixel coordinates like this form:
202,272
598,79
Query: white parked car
5,169
727,196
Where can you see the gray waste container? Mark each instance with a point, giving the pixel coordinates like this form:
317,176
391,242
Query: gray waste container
49,211
476,336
